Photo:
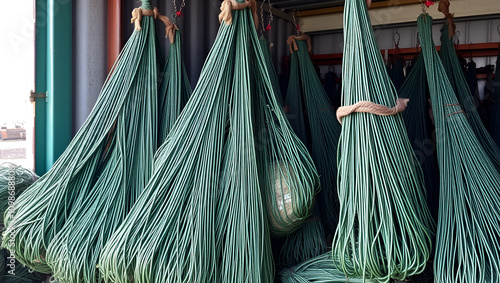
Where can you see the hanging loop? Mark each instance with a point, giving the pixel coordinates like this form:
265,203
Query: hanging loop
396,37
456,38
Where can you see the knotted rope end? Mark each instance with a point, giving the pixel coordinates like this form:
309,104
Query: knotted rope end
228,6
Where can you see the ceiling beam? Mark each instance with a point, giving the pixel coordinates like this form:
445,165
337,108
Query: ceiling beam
340,9
276,12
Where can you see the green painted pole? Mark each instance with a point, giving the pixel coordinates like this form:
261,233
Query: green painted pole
41,24
53,76
59,55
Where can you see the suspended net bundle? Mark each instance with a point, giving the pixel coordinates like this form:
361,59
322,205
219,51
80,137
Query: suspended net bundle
175,88
395,70
458,81
74,252
495,105
468,234
316,270
420,128
264,44
323,125
109,159
203,216
385,228
331,89
14,180
294,105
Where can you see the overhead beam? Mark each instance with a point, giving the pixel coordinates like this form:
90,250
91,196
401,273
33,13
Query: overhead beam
340,9
276,12
399,14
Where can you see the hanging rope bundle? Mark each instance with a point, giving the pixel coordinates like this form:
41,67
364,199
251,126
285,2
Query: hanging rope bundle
419,128
74,253
317,270
175,88
98,177
385,226
459,83
495,103
324,128
202,217
468,234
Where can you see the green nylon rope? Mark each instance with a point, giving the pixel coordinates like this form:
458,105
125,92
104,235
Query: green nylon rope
468,234
14,180
306,243
202,216
175,88
460,86
420,129
111,154
316,270
325,132
74,253
385,228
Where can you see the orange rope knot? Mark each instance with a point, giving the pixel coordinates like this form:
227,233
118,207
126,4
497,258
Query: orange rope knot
228,6
138,13
457,112
292,41
444,7
373,108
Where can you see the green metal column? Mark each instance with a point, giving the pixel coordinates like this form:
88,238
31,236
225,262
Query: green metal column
53,76
41,23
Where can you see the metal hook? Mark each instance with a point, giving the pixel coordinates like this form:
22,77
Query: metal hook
396,41
456,38
418,40
498,29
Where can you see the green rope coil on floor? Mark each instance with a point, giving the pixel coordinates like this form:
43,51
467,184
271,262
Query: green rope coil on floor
385,228
175,88
316,270
468,234
264,45
14,180
495,105
203,215
420,128
110,158
459,83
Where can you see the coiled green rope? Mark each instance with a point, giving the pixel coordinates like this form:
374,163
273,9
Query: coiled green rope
468,235
316,270
202,216
420,128
14,180
110,158
459,83
385,228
